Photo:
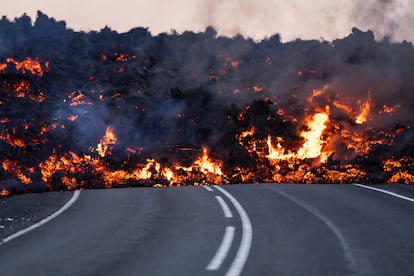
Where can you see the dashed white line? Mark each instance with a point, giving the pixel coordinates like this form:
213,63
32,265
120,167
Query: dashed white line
43,221
225,207
207,188
246,240
385,192
223,250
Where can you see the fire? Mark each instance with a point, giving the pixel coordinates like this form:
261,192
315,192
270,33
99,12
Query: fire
313,143
27,65
4,192
389,109
257,89
109,139
205,164
246,133
14,168
70,183
312,146
121,57
72,118
20,88
362,117
275,160
12,140
78,98
342,106
401,177
72,167
399,170
265,118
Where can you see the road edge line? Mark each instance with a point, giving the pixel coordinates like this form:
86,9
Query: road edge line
69,203
246,240
385,192
349,257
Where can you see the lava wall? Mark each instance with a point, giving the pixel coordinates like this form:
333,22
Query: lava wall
103,109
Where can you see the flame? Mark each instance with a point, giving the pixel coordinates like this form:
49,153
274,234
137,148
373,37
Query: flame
103,148
313,143
401,177
274,157
78,98
246,133
12,140
277,152
13,167
389,109
342,106
312,146
257,89
362,117
399,169
72,118
27,65
205,164
4,192
69,182
120,57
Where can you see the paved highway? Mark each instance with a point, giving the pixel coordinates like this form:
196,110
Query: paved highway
235,230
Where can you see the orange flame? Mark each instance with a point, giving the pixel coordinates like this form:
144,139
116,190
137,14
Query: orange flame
311,148
206,165
362,117
103,148
4,192
313,143
13,167
27,65
78,98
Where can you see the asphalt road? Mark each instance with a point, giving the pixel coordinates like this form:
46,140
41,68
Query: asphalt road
233,230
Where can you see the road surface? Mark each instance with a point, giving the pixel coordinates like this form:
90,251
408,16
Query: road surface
266,229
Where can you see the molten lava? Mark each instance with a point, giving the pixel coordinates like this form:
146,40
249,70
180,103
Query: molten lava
116,110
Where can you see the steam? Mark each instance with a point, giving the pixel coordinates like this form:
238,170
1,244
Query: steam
387,18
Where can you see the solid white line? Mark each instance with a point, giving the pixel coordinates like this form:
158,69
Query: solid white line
342,241
385,192
223,250
246,240
207,188
43,221
225,207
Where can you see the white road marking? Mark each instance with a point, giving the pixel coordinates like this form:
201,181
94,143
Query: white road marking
223,250
385,192
246,240
225,207
207,188
342,241
43,221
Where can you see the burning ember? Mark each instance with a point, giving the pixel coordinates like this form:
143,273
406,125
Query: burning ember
105,110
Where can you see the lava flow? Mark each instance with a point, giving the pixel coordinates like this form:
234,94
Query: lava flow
102,109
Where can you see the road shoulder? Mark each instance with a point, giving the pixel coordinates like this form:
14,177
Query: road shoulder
21,211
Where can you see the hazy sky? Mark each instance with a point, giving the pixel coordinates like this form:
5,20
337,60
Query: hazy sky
292,19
